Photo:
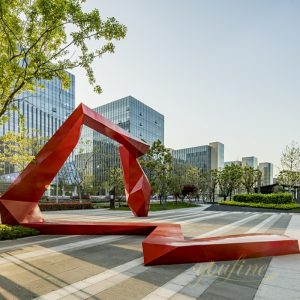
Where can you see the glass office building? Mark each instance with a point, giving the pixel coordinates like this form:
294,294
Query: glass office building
100,153
44,111
137,118
266,169
250,161
206,158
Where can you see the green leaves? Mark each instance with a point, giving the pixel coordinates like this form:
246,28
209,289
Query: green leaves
8,232
250,177
290,166
19,148
157,163
41,39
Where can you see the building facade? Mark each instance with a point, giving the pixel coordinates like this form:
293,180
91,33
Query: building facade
99,153
44,111
217,155
250,161
137,118
205,158
266,169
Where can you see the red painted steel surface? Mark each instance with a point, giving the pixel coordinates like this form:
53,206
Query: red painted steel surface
19,204
164,244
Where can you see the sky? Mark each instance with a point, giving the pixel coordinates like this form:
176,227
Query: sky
218,70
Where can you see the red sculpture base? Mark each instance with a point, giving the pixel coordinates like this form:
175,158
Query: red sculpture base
165,243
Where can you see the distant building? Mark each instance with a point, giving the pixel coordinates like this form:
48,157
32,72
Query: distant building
217,155
233,162
250,161
206,158
101,153
266,169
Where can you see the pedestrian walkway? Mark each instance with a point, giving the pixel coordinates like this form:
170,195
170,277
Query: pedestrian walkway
111,267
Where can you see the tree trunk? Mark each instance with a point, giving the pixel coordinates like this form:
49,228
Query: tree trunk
80,193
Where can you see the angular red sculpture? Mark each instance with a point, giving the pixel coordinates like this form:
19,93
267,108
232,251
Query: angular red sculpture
165,243
19,204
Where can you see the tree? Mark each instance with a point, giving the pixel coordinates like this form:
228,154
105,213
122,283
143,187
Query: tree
175,185
177,178
203,185
229,179
250,177
192,176
189,190
223,182
41,39
90,185
157,163
290,157
19,148
115,183
290,166
82,178
288,178
212,183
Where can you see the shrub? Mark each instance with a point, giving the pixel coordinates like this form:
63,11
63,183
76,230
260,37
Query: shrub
65,206
8,232
279,198
262,205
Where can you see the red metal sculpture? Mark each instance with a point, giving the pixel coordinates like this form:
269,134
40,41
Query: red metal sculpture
165,243
19,204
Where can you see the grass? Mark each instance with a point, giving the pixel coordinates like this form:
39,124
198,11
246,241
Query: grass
8,232
288,206
154,206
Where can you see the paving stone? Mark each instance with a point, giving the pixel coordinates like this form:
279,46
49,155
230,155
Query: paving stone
180,296
68,270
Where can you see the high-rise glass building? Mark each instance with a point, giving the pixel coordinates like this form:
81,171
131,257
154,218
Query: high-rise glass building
137,118
217,155
250,161
44,111
206,158
99,153
266,169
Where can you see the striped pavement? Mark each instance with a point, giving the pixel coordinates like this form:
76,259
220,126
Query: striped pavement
111,267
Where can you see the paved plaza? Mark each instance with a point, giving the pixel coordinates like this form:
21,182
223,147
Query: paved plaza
111,267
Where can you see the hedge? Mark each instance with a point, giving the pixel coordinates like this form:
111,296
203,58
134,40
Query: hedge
278,198
8,232
286,206
65,205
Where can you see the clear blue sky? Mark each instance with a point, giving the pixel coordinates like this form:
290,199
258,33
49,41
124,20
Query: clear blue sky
224,70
